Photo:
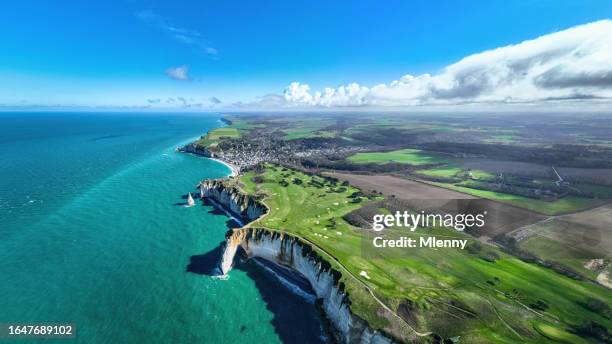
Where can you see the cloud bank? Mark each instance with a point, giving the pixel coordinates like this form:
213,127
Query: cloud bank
573,64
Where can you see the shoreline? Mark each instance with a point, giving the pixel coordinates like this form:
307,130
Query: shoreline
234,169
183,148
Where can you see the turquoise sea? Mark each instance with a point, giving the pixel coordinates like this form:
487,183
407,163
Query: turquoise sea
93,233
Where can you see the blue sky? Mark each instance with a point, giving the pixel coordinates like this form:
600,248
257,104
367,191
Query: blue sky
121,52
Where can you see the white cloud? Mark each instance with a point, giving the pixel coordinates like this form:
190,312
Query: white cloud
178,73
179,102
183,35
573,64
211,51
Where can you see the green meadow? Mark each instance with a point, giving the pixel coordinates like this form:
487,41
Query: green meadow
213,136
456,172
223,132
561,252
305,133
402,156
446,171
563,205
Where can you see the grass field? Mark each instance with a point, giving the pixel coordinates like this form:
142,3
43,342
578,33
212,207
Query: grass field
223,132
481,175
558,336
215,135
453,171
297,127
561,252
564,205
402,156
441,172
304,133
502,139
242,124
448,291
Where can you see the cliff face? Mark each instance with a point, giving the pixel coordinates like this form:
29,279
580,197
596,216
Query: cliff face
289,251
246,208
195,149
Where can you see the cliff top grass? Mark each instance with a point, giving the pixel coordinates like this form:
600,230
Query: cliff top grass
214,136
481,294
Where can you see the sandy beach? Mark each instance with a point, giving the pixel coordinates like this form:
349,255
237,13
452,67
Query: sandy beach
234,168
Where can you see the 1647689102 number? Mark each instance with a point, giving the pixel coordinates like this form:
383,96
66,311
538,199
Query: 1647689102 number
37,331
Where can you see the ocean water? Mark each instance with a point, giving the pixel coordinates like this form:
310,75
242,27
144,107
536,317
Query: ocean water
94,233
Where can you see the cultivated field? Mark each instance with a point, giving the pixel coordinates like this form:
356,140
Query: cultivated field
399,187
501,218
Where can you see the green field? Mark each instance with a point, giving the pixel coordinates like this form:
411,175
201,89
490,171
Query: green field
441,172
242,124
564,205
402,156
502,139
452,171
223,132
304,128
213,136
305,133
451,292
555,251
557,335
481,175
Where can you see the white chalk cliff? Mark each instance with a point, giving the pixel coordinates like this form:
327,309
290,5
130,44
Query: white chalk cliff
289,251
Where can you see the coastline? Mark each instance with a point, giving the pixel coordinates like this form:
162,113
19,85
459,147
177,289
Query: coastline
316,271
235,170
289,251
189,147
